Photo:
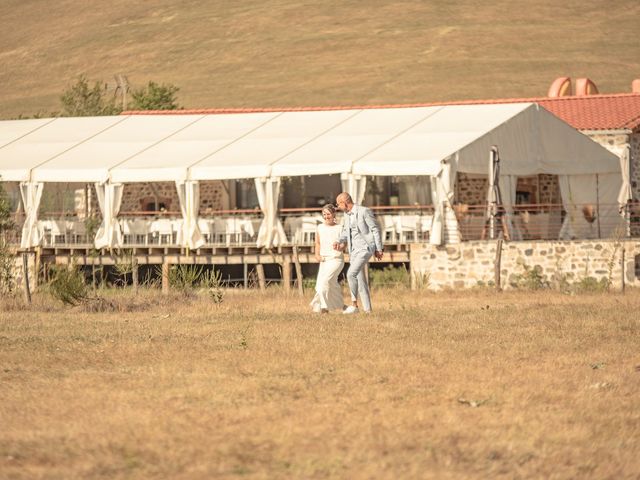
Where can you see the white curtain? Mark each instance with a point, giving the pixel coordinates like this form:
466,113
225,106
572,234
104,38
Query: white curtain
271,233
508,184
31,193
354,185
444,228
189,196
626,193
579,200
109,235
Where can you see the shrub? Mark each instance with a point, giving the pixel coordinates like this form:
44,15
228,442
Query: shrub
212,281
68,286
7,279
185,277
531,279
592,285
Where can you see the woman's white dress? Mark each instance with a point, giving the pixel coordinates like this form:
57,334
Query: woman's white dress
328,291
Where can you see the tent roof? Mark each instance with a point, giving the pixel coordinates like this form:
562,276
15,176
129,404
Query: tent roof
384,141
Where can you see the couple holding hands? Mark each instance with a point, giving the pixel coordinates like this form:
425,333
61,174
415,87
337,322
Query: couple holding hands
360,236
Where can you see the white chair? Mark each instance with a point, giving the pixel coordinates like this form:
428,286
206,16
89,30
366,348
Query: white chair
206,229
135,231
291,227
54,232
161,231
247,228
226,231
76,231
425,226
306,233
388,228
407,227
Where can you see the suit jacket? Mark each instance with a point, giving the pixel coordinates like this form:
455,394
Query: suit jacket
367,227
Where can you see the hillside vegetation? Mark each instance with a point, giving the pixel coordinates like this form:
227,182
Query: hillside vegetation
272,53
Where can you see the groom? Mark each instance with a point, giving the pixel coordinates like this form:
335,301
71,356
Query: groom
360,233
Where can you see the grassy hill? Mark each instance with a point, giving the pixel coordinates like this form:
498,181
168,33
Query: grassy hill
270,53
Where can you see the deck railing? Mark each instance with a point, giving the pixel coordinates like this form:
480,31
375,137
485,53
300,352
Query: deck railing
398,225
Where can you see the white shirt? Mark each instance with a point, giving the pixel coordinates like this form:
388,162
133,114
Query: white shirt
328,234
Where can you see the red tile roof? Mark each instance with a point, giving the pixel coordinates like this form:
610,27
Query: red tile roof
592,112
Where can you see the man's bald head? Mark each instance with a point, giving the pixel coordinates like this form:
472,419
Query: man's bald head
344,202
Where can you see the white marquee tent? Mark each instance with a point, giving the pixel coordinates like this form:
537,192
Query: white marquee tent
434,141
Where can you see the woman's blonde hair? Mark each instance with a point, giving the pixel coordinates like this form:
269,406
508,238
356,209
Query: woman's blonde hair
329,208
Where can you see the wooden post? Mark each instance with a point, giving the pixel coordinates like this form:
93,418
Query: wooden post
497,264
246,274
134,274
622,254
165,277
25,277
296,262
261,279
286,276
36,266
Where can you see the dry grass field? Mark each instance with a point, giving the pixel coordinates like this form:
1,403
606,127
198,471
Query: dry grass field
271,53
450,385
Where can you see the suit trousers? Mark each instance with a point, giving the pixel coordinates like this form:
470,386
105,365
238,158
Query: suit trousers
357,279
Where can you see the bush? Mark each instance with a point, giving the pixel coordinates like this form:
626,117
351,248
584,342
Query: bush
185,277
82,100
68,286
592,285
155,97
7,279
212,281
531,279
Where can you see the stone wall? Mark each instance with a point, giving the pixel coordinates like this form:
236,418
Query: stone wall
137,196
471,264
472,189
615,143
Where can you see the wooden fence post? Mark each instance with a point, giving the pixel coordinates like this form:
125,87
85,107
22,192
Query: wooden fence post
134,274
497,264
296,262
286,275
261,278
622,254
25,277
165,277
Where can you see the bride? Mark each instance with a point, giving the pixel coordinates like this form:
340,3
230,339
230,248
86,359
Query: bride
328,292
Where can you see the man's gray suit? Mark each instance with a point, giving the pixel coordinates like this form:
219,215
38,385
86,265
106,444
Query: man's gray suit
361,233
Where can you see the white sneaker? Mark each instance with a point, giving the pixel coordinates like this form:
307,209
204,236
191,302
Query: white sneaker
349,310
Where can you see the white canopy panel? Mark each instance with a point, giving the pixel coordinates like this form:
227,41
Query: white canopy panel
360,133
13,130
253,155
19,158
202,138
530,140
378,141
92,159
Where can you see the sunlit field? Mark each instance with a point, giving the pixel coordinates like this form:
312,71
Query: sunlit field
449,385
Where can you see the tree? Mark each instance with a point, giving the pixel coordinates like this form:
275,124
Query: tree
81,100
155,97
6,222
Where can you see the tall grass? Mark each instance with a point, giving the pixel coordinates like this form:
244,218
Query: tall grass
453,385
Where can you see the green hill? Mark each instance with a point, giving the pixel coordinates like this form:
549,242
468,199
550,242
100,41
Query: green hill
269,53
